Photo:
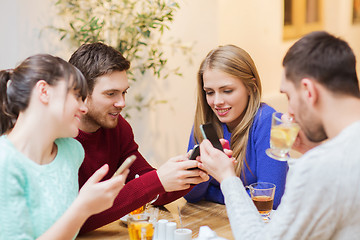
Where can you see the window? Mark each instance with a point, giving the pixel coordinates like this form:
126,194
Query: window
356,11
302,17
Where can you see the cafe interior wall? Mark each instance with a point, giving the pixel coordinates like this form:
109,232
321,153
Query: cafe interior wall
254,25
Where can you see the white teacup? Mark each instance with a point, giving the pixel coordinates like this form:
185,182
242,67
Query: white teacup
182,234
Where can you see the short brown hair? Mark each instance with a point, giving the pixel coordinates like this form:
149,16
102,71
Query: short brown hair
97,59
325,58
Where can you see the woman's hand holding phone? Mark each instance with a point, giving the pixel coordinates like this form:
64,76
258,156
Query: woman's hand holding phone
96,195
216,163
125,165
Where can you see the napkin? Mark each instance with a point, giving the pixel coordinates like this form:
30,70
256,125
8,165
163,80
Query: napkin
205,233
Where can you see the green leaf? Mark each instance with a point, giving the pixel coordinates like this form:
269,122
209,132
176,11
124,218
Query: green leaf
63,36
134,27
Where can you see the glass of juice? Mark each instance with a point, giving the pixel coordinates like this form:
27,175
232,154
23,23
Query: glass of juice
262,194
140,227
283,134
138,210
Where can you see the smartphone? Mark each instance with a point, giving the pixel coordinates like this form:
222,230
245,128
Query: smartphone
125,165
208,132
195,152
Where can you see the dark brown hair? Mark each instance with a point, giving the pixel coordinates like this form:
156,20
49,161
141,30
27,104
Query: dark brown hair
97,59
326,59
17,84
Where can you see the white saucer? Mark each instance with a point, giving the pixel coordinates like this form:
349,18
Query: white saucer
124,219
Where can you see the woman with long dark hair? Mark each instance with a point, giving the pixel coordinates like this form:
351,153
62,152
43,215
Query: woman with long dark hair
41,103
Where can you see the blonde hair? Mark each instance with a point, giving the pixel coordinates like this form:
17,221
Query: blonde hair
237,63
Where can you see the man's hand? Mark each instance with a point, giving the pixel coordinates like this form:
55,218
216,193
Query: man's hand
302,144
175,175
215,162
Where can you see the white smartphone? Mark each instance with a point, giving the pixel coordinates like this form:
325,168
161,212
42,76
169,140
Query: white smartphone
125,165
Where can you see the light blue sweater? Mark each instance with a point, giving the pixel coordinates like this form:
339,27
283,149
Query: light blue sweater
33,196
262,167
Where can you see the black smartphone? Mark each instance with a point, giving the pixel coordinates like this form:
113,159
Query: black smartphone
195,152
208,132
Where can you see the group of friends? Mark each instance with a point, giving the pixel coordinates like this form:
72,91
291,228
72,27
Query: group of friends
61,131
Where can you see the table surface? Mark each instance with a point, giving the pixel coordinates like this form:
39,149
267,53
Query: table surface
193,216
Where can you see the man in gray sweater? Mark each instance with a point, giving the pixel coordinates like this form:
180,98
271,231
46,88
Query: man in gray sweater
322,193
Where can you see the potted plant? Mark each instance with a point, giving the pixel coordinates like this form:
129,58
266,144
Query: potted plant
135,28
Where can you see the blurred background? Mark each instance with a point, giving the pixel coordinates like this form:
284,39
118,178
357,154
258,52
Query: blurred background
264,28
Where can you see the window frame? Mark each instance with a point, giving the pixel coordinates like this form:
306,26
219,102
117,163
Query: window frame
299,26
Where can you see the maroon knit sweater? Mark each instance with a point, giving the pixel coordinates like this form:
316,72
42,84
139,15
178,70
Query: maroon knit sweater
113,146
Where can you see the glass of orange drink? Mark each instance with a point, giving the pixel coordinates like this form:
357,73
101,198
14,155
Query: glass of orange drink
140,227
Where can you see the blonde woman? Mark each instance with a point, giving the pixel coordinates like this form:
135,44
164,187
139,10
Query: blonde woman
228,95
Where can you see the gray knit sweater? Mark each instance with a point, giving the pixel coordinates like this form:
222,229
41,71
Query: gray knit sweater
321,200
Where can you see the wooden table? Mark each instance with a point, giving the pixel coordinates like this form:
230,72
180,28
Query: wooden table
193,216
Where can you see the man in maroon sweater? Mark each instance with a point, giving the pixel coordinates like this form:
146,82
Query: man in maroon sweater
108,139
